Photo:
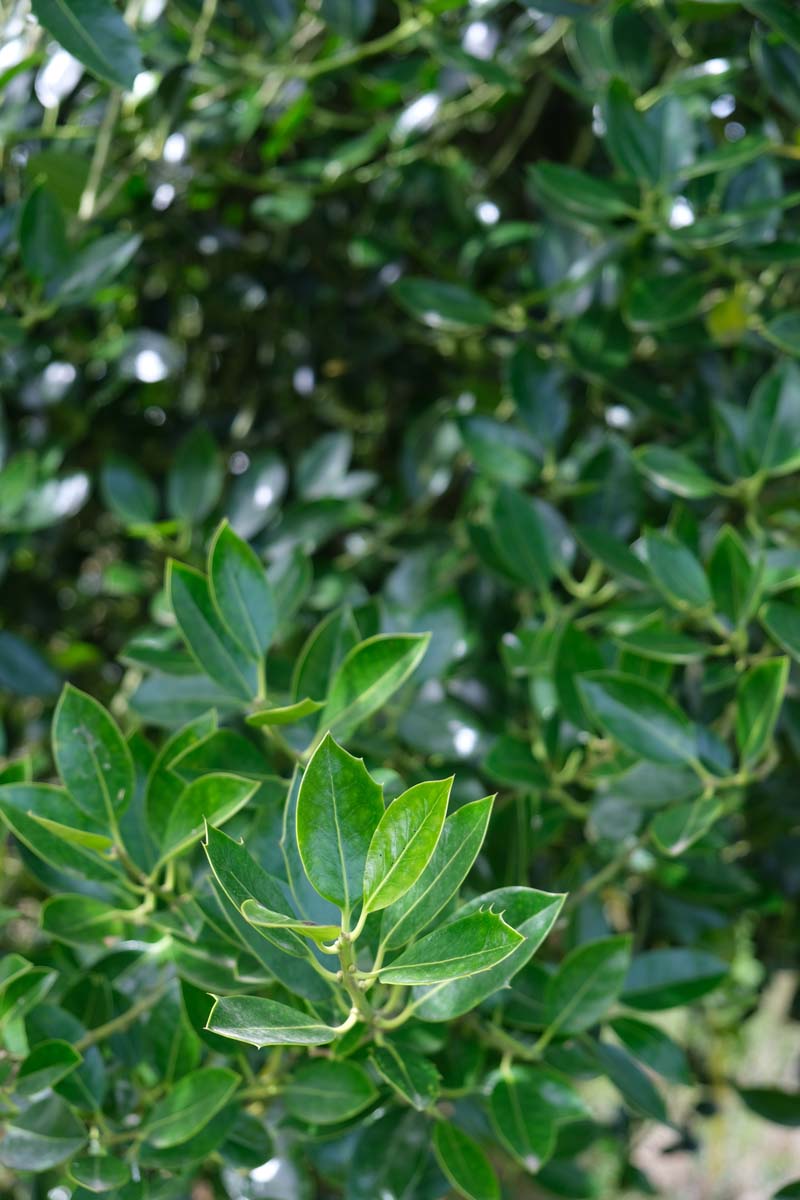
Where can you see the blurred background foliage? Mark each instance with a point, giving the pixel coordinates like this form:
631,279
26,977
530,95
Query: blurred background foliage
360,275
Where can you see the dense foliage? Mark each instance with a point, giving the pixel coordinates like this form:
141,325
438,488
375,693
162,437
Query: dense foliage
400,409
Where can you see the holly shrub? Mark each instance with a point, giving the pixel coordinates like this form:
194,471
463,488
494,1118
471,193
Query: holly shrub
401,598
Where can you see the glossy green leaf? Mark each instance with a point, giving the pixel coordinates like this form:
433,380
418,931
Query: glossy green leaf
676,572
210,800
580,195
759,697
339,807
286,714
96,34
639,716
127,491
587,983
37,814
241,592
402,845
675,472
773,433
191,1104
194,482
773,1104
521,538
92,757
668,978
368,676
733,576
532,913
467,1168
48,1063
780,15
100,1173
524,1123
41,1136
265,918
467,946
443,306
80,920
653,1047
414,1078
43,235
634,1085
782,622
678,828
461,839
207,639
266,1023
327,1092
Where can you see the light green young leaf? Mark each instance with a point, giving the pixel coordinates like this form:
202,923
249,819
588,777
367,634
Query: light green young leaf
285,714
531,913
210,800
241,592
326,1092
759,698
461,839
339,807
207,639
404,841
265,918
266,1023
464,947
464,1163
92,757
368,676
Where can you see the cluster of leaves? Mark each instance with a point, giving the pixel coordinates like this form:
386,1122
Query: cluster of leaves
449,351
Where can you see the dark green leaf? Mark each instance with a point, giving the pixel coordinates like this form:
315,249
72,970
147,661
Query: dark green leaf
464,1163
92,757
587,983
639,716
189,1106
206,637
668,978
326,1092
241,592
95,33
